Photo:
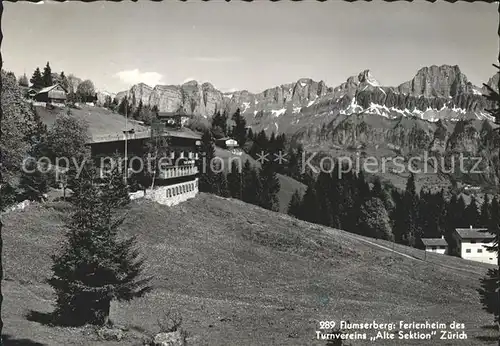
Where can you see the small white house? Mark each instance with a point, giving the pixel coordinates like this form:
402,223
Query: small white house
473,242
436,245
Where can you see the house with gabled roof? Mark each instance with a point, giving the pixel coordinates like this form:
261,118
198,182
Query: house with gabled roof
436,245
53,94
473,244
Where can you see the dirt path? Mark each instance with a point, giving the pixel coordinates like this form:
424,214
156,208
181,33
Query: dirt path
354,236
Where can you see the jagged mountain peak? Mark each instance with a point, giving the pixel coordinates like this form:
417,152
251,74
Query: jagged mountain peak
367,77
446,81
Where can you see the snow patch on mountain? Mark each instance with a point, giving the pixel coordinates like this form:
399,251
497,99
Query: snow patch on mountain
246,105
277,113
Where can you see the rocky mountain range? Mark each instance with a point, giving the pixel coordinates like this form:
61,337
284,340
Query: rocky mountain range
434,93
437,111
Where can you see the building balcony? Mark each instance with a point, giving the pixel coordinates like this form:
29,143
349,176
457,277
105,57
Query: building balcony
177,171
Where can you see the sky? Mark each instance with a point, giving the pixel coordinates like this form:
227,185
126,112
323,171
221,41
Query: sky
248,46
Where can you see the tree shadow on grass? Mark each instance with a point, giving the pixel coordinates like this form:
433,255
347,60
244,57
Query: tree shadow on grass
44,318
488,338
8,340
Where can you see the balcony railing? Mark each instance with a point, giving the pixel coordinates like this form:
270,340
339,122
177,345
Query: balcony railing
177,171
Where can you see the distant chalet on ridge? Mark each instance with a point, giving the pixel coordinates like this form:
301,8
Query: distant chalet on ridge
52,94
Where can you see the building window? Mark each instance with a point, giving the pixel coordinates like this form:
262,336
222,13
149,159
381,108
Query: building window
467,250
479,250
433,248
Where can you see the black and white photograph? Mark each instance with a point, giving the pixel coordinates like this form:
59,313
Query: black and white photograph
250,173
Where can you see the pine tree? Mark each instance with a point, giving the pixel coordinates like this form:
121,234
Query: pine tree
295,204
95,267
406,228
472,216
251,184
234,181
64,81
270,186
207,175
47,76
239,131
37,80
485,212
221,188
310,209
23,80
322,187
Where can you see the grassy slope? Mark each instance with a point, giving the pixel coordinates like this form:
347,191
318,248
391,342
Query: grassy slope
241,275
101,121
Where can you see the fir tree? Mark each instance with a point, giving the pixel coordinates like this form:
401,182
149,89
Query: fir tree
472,216
239,131
221,188
23,80
47,76
207,175
485,212
234,181
37,80
310,209
295,204
95,267
270,186
251,184
64,81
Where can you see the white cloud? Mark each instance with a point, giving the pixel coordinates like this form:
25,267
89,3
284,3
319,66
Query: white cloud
135,76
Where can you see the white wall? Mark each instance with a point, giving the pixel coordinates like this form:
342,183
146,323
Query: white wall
483,256
172,194
440,251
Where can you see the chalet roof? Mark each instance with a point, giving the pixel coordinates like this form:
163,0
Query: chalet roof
49,88
474,233
434,242
183,133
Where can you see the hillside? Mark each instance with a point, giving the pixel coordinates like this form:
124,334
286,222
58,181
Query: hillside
242,275
101,121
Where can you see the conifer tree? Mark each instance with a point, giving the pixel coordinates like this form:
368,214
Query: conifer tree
322,187
472,216
47,76
485,212
270,186
95,266
251,184
64,81
239,131
234,181
37,80
221,188
310,209
295,204
207,175
23,80
406,228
